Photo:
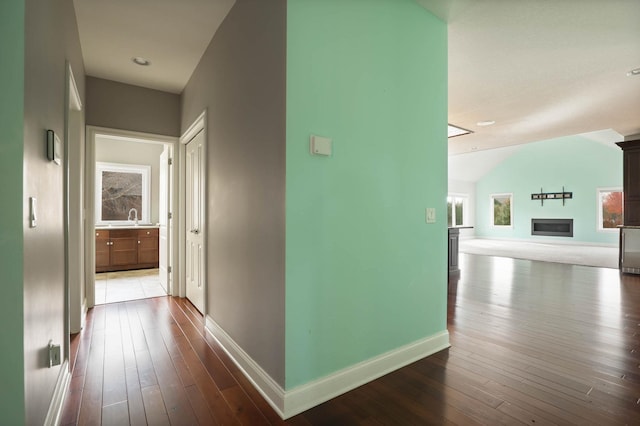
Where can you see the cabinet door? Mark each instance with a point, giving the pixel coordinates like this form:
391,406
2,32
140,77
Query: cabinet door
148,246
632,174
103,258
124,247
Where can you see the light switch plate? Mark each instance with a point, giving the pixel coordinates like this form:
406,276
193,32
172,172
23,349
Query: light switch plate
319,145
430,215
33,219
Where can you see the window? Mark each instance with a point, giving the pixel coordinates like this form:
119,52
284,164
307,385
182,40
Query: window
502,209
609,209
456,210
121,188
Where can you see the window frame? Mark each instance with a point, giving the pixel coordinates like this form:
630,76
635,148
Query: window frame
465,208
145,170
599,217
491,208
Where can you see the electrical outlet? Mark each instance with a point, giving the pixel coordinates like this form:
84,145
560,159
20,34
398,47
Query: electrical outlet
54,354
430,215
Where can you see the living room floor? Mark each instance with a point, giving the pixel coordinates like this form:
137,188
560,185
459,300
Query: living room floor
574,254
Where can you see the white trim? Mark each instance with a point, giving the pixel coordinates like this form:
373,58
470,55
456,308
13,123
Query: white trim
84,309
59,394
311,394
73,208
75,101
291,402
268,388
198,124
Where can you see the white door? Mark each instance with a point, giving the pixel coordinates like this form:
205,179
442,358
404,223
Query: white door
163,200
195,221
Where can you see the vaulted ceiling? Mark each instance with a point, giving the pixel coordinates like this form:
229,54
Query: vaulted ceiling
539,68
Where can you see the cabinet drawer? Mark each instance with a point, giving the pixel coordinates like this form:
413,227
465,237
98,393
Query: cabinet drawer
148,232
123,233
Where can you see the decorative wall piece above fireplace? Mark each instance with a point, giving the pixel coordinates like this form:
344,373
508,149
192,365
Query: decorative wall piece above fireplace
552,196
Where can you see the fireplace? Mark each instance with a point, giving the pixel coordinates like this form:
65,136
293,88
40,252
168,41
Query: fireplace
552,227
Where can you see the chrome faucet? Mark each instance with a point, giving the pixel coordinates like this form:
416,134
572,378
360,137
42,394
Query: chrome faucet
135,215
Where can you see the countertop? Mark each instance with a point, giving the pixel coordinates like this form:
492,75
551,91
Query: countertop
108,227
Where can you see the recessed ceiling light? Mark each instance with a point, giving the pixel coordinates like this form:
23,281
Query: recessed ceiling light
457,131
485,123
139,60
635,71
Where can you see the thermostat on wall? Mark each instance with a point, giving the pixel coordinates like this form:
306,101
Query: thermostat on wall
319,145
53,146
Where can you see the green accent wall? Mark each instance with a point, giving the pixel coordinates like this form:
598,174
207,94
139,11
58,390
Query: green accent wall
364,273
579,164
12,31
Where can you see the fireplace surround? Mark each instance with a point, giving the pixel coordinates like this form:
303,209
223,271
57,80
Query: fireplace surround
552,227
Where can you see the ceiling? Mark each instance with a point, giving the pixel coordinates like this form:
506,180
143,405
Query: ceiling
171,34
540,68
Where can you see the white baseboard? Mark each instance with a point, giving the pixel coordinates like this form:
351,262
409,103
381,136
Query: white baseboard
83,313
59,393
268,388
291,402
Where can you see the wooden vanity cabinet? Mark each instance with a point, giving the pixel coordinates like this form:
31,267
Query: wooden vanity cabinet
148,248
103,250
126,249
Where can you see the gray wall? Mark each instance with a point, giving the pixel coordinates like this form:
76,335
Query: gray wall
241,80
127,152
51,37
123,106
11,213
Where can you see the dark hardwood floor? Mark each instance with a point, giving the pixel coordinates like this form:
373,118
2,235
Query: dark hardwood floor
532,343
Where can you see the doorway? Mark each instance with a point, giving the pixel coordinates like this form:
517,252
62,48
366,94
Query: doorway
193,226
129,245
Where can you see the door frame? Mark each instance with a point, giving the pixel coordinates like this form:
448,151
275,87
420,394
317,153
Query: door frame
90,229
75,303
199,125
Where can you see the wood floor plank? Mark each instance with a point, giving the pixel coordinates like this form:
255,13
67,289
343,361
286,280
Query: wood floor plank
173,394
154,408
134,398
243,408
91,404
115,414
114,382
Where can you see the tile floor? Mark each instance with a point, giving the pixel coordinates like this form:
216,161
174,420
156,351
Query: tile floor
128,285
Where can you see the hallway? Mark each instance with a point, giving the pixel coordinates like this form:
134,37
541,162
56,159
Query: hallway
532,343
